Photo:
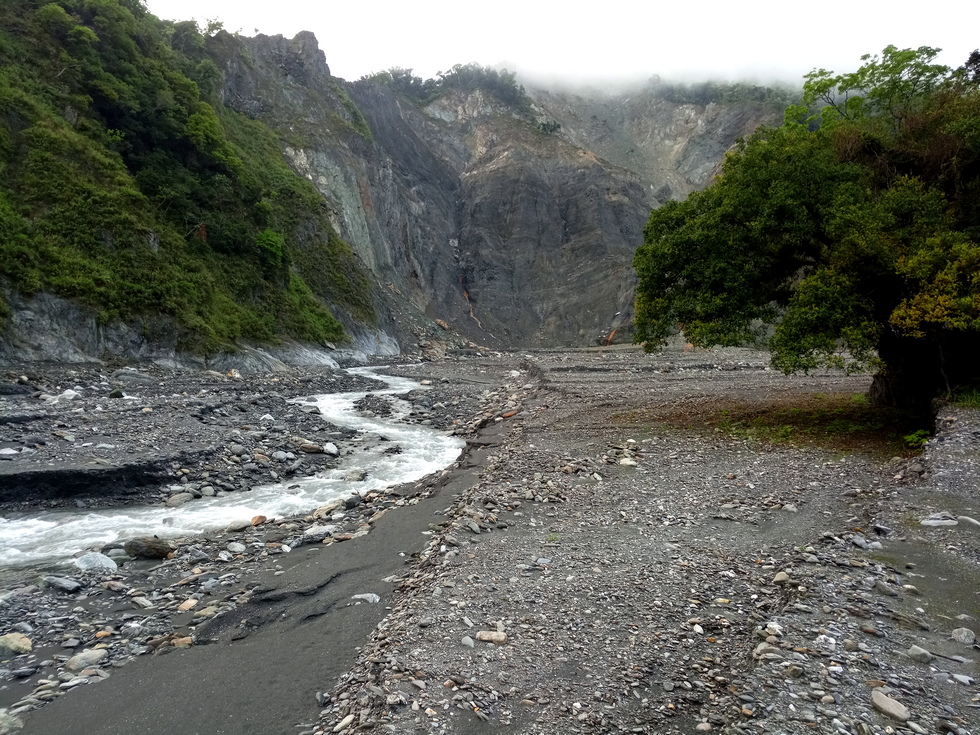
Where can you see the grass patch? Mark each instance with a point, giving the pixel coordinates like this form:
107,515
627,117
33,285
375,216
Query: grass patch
968,398
837,422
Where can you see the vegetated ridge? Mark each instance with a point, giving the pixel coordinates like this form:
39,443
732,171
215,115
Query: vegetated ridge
128,187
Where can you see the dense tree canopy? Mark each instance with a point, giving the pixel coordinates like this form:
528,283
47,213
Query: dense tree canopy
848,237
125,184
461,77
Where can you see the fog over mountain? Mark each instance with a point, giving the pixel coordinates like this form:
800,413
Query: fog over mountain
601,42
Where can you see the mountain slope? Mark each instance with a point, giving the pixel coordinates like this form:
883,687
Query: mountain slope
126,187
208,190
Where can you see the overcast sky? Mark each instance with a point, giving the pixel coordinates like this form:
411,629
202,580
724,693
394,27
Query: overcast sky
601,40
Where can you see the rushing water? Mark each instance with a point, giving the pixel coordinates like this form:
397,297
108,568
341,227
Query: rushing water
47,539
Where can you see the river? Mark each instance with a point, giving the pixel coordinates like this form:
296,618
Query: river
49,540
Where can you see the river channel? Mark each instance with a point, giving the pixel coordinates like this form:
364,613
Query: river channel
49,540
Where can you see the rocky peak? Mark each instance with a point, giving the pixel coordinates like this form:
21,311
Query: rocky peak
300,57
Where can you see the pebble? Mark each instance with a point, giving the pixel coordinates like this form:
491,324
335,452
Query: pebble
492,636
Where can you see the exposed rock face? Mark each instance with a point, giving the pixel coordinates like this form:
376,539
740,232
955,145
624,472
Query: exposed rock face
475,224
675,148
468,213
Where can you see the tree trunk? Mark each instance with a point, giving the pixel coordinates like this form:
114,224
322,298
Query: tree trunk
911,377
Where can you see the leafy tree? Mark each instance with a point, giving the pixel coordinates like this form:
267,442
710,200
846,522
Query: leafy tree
732,93
847,237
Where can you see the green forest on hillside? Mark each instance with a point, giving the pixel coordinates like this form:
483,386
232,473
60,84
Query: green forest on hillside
853,231
125,184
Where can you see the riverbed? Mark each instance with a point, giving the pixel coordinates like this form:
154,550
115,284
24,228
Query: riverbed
47,540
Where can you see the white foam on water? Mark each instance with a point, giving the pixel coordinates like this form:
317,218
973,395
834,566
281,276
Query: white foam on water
45,539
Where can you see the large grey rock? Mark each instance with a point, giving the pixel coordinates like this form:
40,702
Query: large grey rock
889,707
95,562
132,375
63,584
964,635
917,653
85,659
148,547
15,643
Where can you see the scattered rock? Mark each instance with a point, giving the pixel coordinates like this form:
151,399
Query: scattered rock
15,643
889,707
86,659
148,547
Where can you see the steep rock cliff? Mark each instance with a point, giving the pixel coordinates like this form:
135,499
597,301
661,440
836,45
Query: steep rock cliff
464,210
675,148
